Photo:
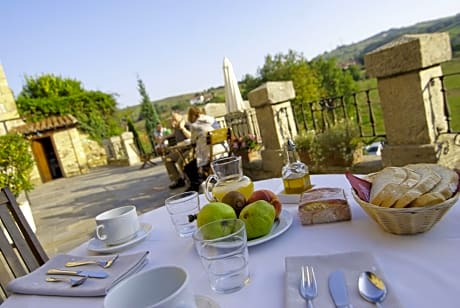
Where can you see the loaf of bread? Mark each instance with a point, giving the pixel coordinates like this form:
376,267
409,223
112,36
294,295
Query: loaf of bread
323,205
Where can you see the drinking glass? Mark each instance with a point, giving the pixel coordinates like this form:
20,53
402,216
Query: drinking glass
222,247
182,208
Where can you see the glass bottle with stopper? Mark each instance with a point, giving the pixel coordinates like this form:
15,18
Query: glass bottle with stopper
295,174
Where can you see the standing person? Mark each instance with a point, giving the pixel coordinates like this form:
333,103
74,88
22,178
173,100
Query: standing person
174,160
200,124
160,143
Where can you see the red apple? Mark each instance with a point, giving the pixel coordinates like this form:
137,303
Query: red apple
269,196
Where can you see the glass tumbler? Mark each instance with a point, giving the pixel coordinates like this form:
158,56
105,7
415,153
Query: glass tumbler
180,208
222,247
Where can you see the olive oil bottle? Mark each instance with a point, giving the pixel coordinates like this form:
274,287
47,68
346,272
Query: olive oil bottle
295,174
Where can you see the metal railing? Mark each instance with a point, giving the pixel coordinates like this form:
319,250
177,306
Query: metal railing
365,110
362,107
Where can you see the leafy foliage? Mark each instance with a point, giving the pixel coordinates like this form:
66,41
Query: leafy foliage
137,139
49,95
15,163
312,80
336,145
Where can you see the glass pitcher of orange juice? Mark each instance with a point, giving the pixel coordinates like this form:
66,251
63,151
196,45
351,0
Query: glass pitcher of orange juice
228,176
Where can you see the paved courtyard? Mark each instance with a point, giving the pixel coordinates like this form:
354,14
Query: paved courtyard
64,209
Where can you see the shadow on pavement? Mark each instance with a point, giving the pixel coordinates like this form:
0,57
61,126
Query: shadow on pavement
64,209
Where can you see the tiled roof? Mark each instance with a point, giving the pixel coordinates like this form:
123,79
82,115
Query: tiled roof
51,123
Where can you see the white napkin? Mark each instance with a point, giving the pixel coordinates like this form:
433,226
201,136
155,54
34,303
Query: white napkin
350,263
34,283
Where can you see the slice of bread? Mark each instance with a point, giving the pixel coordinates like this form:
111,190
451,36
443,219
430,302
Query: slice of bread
391,184
429,179
442,191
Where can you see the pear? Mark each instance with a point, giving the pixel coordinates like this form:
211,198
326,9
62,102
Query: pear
258,218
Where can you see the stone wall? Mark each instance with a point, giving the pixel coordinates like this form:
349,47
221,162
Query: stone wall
70,151
9,116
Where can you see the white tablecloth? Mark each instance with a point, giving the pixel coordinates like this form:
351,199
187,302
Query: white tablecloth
422,269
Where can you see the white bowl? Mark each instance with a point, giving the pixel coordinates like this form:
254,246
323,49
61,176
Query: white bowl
165,286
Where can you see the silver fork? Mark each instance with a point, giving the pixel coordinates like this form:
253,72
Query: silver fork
308,288
102,263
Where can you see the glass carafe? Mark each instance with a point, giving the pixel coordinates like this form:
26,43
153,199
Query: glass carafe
228,176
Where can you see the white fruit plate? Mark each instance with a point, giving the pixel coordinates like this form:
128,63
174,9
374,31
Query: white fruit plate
279,227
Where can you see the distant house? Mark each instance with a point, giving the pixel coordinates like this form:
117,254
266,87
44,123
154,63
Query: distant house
197,100
201,99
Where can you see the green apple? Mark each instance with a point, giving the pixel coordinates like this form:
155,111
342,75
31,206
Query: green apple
212,212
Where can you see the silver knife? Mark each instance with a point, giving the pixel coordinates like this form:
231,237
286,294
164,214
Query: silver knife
91,274
338,289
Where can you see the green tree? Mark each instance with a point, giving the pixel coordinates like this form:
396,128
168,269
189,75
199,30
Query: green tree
137,139
15,163
282,67
148,112
333,80
49,95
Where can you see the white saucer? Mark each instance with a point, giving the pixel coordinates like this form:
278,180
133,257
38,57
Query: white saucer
99,246
202,301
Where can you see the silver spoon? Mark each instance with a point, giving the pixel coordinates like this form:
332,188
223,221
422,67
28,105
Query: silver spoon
372,288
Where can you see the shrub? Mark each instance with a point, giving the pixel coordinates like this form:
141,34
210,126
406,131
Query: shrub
335,146
15,163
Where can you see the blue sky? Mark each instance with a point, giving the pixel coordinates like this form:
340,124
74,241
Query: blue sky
178,47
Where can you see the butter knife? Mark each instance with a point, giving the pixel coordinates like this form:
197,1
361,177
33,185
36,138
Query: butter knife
90,274
338,289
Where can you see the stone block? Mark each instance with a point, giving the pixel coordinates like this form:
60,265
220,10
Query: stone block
408,53
215,109
400,155
271,92
272,162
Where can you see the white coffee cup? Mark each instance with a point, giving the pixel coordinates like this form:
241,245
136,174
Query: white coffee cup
118,225
159,287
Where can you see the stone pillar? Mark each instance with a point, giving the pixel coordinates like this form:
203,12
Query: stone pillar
276,121
127,140
412,105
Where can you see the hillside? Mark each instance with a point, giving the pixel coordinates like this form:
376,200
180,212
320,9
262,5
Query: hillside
344,54
355,52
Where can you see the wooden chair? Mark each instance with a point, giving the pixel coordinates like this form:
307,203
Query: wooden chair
21,251
218,136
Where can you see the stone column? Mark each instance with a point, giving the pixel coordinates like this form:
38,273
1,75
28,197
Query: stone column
412,105
276,121
127,139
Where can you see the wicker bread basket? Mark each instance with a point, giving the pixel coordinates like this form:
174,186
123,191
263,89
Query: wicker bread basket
406,220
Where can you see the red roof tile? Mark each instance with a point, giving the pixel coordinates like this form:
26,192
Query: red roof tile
51,123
